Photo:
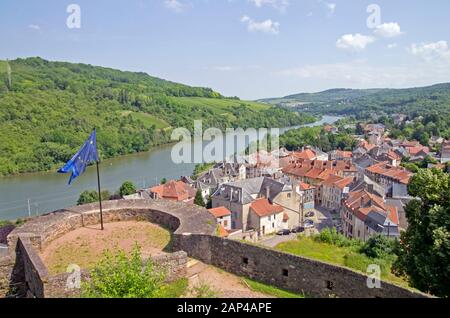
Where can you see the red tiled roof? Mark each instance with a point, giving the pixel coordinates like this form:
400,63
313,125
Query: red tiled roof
344,154
220,212
262,207
399,174
415,150
307,154
221,231
304,186
393,214
174,190
341,184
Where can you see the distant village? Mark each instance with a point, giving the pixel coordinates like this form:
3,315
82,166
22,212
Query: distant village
360,193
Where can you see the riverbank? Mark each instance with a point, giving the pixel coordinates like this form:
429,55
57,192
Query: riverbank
49,191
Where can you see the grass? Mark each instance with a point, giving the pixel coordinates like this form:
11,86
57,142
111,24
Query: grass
342,256
270,290
175,289
147,119
221,106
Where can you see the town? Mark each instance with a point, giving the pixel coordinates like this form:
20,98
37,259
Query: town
360,193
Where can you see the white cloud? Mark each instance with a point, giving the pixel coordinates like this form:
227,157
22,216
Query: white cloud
331,8
225,68
174,5
278,4
388,30
360,74
392,46
267,26
354,42
431,51
34,27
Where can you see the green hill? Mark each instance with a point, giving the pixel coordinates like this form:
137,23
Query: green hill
51,107
361,103
328,96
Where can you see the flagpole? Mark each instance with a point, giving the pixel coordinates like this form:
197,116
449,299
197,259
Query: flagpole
100,196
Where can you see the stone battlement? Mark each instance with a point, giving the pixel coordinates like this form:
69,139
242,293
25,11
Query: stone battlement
194,236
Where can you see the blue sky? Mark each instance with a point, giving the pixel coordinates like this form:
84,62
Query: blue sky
247,48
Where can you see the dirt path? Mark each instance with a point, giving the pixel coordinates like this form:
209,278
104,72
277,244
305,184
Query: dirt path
224,284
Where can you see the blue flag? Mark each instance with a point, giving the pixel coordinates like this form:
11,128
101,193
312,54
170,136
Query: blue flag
87,154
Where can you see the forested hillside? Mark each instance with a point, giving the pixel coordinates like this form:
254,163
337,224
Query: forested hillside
48,109
362,103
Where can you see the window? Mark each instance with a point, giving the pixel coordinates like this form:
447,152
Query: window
225,223
273,225
245,260
285,272
289,195
330,285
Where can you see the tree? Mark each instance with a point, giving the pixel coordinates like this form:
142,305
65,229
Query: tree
127,188
92,196
163,181
424,252
379,246
122,276
199,199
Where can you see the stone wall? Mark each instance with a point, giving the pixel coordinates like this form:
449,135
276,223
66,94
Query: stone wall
31,276
6,267
286,271
194,230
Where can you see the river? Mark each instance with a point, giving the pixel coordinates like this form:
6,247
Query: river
49,191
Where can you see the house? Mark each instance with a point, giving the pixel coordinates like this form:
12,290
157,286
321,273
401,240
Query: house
316,171
435,141
375,137
363,148
175,191
266,218
223,217
399,118
340,155
330,129
238,196
365,214
388,175
380,128
333,191
307,196
445,152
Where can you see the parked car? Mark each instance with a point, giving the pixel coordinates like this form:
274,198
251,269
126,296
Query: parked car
298,229
310,214
283,232
309,224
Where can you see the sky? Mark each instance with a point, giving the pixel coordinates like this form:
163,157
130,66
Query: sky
247,48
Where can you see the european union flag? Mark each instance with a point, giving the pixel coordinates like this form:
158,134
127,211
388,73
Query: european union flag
87,154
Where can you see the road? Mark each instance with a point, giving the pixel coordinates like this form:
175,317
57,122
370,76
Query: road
322,219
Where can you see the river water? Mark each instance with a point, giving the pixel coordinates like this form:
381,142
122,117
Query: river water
49,191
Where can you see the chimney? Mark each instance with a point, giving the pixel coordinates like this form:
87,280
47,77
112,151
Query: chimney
267,192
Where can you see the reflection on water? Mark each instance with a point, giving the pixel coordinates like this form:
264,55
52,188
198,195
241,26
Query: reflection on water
49,191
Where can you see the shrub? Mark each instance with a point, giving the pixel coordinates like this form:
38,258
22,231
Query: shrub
379,246
331,236
92,196
122,276
127,188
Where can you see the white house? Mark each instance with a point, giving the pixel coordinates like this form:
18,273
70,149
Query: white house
266,218
223,217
